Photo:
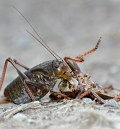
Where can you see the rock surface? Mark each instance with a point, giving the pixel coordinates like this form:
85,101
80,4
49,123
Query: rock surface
69,28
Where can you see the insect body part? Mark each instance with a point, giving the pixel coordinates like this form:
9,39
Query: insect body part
62,70
85,88
36,82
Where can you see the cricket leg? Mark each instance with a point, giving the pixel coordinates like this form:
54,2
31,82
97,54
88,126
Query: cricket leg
94,95
58,96
20,64
79,58
90,51
97,97
5,67
22,76
74,67
82,95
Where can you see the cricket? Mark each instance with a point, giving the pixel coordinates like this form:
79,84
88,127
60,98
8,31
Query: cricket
36,82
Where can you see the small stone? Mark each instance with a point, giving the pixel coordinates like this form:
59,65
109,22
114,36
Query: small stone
20,117
111,103
87,100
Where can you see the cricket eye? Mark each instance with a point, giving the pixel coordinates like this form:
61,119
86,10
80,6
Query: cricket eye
56,65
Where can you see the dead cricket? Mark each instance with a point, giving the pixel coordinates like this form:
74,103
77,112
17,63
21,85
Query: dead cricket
37,81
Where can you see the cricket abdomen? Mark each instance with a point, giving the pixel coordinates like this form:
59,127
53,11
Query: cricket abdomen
16,93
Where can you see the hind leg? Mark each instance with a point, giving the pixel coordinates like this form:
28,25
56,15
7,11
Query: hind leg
22,76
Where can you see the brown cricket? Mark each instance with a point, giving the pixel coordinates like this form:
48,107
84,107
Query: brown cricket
37,81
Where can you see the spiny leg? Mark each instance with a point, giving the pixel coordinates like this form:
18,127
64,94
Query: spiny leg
22,76
79,58
5,67
58,96
82,95
96,96
88,92
73,59
90,51
20,64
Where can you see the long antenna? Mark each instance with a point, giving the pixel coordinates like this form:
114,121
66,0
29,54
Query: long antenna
45,45
41,43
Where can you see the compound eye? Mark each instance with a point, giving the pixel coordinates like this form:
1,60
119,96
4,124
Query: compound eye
56,65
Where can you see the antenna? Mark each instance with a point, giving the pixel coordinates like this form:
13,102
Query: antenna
42,42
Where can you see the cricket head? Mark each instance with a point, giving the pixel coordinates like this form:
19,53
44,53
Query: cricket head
62,70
